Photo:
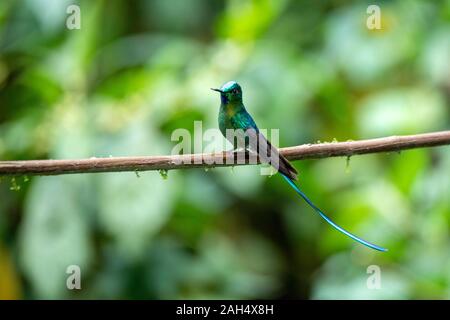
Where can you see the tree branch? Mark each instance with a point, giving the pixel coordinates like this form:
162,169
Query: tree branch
307,151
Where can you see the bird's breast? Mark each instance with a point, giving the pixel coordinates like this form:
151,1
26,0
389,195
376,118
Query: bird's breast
226,114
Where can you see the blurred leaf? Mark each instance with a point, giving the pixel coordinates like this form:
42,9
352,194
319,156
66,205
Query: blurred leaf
10,287
133,209
396,112
54,235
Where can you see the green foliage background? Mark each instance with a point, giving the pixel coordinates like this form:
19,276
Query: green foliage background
137,70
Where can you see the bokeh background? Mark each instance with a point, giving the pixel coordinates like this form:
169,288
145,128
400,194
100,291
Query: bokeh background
137,70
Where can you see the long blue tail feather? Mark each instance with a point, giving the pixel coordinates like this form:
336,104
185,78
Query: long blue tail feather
325,217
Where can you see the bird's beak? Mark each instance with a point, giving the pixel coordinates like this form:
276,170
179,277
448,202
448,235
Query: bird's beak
218,90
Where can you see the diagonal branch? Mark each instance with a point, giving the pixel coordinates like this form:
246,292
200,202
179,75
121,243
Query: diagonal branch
307,151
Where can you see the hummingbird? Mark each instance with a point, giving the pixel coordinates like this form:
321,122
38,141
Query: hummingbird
233,116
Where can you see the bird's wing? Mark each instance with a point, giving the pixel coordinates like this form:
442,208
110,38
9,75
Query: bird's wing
258,143
269,154
243,120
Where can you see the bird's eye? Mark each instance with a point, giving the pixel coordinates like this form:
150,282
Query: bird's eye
235,91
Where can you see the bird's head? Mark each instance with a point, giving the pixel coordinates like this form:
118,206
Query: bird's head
230,92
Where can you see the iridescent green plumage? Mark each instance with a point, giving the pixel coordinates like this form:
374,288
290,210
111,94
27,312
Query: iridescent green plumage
232,113
233,116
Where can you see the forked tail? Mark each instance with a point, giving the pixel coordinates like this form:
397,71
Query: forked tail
364,242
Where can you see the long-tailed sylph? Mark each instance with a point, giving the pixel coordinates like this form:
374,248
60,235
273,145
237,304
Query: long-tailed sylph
234,116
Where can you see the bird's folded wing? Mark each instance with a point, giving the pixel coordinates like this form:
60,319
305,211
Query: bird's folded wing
269,154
